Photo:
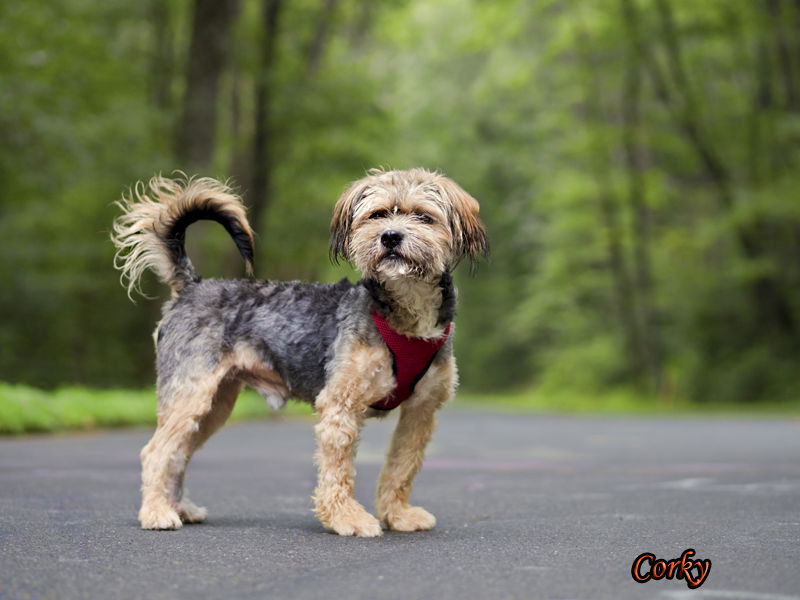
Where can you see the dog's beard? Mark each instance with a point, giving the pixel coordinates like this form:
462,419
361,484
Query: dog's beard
393,264
409,261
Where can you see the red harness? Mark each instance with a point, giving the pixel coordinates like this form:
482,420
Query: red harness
411,359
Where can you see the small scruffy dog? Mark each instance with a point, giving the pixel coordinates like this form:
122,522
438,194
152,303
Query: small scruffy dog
353,350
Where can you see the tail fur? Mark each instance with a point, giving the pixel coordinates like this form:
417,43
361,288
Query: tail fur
150,233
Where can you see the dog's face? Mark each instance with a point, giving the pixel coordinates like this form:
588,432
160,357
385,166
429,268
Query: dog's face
399,224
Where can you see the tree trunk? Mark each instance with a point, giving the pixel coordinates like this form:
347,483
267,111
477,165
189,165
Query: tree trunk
208,55
261,159
362,25
163,59
623,291
640,230
316,48
787,50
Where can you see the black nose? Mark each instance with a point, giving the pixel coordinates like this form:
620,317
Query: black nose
391,239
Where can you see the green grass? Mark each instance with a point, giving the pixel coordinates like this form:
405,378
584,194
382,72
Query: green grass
623,403
25,409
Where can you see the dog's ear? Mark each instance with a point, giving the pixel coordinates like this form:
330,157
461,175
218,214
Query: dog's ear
343,220
469,233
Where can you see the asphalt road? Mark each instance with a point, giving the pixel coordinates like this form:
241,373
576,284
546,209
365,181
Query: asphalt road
527,507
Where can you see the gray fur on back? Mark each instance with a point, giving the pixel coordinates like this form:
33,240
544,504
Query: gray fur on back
292,326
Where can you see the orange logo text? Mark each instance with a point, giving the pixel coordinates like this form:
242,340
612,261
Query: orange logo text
647,567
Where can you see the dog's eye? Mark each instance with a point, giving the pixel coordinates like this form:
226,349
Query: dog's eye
423,217
379,214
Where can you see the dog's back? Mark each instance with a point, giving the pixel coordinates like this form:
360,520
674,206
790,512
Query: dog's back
288,325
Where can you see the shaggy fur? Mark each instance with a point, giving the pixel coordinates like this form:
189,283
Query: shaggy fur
404,230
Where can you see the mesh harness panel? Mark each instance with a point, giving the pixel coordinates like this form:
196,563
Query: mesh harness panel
411,359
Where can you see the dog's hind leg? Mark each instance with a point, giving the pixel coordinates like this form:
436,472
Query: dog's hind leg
221,408
188,414
407,451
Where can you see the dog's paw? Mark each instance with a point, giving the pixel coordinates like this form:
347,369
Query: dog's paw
409,518
160,516
191,513
362,525
353,519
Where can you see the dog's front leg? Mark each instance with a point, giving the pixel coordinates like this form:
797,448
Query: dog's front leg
407,451
361,379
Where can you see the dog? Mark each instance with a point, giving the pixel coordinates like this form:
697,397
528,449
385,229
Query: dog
353,350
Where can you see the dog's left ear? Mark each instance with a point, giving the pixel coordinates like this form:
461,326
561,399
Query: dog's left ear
342,221
469,232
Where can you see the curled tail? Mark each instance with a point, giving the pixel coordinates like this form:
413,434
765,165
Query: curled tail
150,233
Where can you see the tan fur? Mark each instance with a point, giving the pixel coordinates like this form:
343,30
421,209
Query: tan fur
417,314
407,451
439,223
188,414
362,377
184,423
261,377
149,211
456,229
470,234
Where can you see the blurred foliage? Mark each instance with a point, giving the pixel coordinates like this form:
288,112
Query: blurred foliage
636,163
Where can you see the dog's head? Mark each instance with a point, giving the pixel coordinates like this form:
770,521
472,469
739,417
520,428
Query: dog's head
415,223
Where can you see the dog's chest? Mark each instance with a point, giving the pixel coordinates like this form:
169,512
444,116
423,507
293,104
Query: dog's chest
411,359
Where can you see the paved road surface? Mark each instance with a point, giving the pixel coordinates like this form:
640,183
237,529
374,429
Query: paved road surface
528,507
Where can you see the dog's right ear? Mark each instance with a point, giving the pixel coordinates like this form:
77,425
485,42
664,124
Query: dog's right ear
342,221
